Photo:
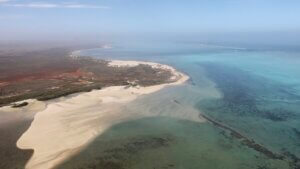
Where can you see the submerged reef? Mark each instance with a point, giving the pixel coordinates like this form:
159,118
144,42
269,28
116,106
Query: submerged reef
245,94
255,107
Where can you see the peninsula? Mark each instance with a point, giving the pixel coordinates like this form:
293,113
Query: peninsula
61,103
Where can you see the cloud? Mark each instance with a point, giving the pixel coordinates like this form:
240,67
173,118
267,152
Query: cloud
2,1
52,5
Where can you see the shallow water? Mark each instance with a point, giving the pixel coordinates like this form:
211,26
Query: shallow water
162,142
260,100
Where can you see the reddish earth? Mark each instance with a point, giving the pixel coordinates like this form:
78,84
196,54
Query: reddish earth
52,73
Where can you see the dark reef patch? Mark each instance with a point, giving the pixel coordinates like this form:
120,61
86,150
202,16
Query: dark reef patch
247,95
168,143
257,107
117,154
115,158
246,141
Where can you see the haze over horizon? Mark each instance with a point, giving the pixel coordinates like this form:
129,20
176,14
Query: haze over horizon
233,20
151,84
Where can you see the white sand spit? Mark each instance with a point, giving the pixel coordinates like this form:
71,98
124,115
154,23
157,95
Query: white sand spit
68,124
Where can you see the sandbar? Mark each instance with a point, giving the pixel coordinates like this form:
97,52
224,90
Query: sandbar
70,123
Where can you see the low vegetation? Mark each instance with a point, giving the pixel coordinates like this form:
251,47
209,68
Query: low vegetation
49,74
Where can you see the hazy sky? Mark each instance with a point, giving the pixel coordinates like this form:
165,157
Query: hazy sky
49,17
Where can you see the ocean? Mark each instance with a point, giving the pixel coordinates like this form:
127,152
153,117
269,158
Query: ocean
250,99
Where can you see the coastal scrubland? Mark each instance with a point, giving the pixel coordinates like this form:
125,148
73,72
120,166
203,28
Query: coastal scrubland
51,73
45,74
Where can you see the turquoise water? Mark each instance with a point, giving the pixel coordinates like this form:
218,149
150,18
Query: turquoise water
260,100
162,142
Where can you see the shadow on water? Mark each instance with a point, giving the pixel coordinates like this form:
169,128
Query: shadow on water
258,107
162,143
11,157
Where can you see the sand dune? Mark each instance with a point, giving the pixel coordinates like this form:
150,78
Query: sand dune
68,124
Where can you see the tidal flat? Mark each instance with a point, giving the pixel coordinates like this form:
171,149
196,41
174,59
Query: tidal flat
162,142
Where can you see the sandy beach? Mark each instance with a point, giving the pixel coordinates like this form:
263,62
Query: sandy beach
68,124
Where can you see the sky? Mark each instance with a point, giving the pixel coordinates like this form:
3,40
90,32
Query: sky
42,18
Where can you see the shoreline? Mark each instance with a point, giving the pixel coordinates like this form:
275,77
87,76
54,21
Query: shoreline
70,123
61,91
